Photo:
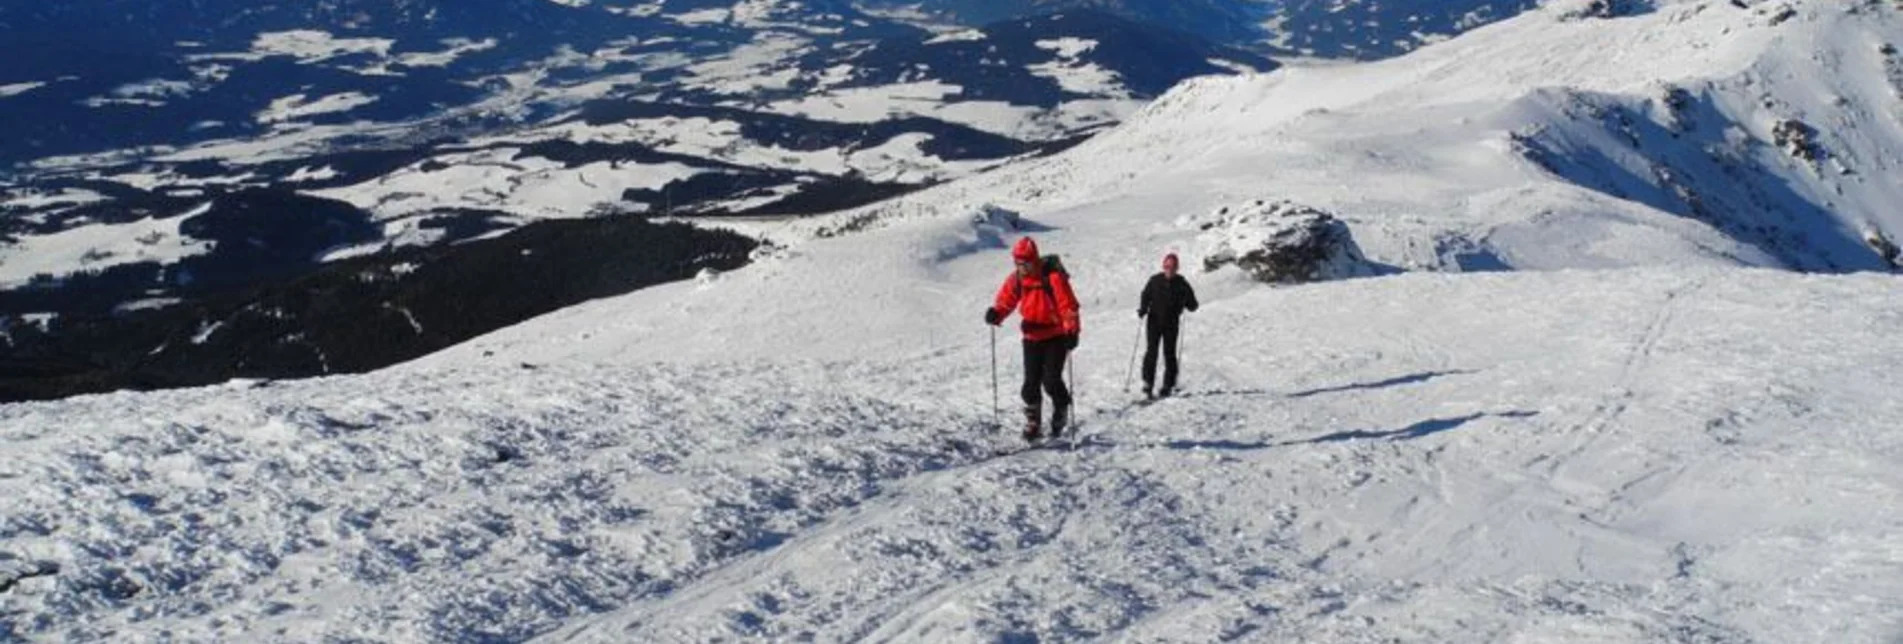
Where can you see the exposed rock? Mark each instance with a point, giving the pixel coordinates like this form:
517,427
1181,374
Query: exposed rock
1782,13
856,223
999,217
1884,247
1678,103
1798,139
1281,243
1608,9
1893,66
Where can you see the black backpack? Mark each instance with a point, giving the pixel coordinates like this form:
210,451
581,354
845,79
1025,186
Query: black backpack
1053,265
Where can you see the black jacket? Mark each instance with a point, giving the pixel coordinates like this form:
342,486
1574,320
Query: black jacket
1165,299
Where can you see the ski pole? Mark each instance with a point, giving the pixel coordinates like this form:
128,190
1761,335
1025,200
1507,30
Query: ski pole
1181,348
1072,386
1071,430
995,423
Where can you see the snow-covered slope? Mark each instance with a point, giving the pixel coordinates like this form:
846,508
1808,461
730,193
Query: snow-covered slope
1693,132
1687,450
1640,455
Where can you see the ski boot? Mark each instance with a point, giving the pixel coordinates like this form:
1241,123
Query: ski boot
1060,419
1031,430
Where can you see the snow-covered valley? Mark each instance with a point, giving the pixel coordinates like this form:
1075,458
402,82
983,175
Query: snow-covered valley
114,259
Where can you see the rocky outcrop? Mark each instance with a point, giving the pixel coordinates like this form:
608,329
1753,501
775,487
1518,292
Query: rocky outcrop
1608,9
1884,247
998,217
1281,243
1799,140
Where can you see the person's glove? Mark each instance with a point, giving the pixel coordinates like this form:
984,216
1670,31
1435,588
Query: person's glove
992,317
1070,342
1141,313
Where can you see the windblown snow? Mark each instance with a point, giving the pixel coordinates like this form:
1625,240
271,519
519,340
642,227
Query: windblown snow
1649,431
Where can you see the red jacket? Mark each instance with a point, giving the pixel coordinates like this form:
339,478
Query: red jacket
1048,306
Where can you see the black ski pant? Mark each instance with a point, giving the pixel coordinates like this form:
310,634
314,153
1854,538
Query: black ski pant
1164,334
1044,367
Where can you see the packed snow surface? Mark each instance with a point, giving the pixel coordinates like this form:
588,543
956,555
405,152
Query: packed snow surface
1622,456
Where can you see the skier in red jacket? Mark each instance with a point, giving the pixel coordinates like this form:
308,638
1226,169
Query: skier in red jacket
1040,292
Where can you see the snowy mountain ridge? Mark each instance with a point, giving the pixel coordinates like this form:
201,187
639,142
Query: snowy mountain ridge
1658,439
1659,132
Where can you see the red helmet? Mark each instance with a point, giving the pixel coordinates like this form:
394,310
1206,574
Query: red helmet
1025,251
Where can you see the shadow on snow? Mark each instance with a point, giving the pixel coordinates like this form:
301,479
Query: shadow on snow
1416,430
1382,384
1410,432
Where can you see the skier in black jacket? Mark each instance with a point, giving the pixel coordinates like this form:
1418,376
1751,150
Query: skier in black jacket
1165,298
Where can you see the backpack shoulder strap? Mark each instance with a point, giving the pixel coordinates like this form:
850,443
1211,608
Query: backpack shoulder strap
1054,264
